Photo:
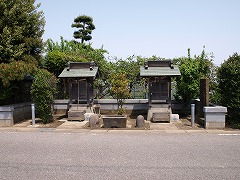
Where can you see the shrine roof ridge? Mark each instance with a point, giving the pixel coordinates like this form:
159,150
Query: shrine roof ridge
159,68
79,70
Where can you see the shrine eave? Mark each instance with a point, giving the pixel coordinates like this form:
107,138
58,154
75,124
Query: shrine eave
159,71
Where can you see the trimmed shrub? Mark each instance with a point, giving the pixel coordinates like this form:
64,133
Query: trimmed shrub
43,90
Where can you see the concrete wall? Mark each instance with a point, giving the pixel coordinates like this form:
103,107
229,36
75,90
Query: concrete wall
14,113
106,105
6,116
133,106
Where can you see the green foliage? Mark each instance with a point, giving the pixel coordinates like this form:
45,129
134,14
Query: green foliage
59,54
4,93
21,28
43,91
229,83
15,70
10,75
192,70
131,67
85,25
55,62
214,96
119,88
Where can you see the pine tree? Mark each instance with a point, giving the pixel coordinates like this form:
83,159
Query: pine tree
85,25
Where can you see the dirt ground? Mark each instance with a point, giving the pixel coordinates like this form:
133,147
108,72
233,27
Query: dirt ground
183,123
56,122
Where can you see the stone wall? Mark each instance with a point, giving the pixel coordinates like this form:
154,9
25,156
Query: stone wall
6,116
14,113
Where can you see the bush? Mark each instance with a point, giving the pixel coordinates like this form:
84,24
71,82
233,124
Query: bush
15,71
43,90
229,83
192,70
119,89
55,62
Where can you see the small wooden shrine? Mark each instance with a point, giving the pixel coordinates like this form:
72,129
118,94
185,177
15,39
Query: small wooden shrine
80,77
158,74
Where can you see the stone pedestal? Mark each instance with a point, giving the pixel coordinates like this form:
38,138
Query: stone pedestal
76,113
159,112
214,117
161,117
115,121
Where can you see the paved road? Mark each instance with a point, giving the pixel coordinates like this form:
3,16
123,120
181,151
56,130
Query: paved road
118,155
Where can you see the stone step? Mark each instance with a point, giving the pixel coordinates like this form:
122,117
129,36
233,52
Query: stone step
76,113
159,114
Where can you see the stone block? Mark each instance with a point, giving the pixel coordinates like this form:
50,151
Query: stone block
76,114
214,117
114,121
161,116
174,117
94,121
140,121
87,116
96,108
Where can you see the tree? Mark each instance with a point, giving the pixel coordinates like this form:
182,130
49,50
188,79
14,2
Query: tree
119,89
11,84
192,70
131,67
21,29
85,25
58,54
43,90
15,71
229,83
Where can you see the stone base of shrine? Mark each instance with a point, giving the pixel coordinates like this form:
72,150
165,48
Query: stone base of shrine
159,113
77,113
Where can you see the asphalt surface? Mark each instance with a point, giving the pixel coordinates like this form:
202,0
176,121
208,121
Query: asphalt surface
49,154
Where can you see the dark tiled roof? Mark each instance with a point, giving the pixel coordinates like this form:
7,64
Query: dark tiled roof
159,68
79,70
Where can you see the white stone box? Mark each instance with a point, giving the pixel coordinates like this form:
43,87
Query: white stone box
214,117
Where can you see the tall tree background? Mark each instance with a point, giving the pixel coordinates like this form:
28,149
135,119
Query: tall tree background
85,25
21,30
192,70
228,88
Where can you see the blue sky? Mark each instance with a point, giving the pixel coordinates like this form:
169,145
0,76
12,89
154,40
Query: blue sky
165,28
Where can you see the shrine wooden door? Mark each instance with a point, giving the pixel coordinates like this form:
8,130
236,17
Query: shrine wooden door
159,90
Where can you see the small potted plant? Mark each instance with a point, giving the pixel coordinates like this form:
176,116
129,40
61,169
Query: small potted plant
119,90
